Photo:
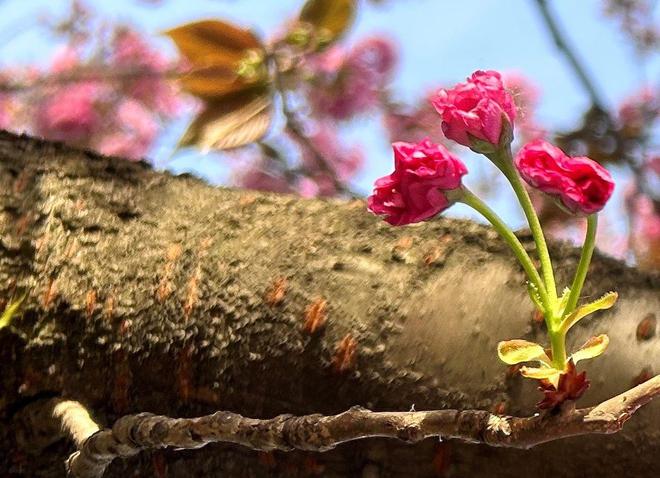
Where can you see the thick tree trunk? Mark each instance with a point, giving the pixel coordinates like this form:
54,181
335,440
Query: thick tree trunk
148,292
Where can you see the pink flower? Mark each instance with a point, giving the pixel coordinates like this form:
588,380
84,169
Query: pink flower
132,53
639,110
415,191
376,56
414,123
70,114
344,84
65,60
258,177
136,132
480,108
580,184
344,161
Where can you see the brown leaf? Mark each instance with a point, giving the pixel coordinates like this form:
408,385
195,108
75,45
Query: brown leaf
224,59
331,18
213,81
231,122
213,42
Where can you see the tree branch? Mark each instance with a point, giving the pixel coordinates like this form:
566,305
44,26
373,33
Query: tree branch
134,433
92,74
563,47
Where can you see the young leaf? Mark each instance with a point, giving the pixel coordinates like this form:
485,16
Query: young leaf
231,122
605,302
224,59
513,352
213,42
212,82
591,348
9,312
563,300
330,18
545,373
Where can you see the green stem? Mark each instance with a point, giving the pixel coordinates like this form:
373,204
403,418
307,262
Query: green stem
558,347
467,197
504,161
583,265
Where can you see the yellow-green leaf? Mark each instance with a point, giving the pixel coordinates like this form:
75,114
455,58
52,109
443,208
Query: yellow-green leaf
543,373
330,18
231,122
513,352
10,311
605,302
591,348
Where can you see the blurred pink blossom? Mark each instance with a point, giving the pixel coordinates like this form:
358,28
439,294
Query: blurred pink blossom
6,107
376,56
130,51
344,84
136,131
344,162
647,218
653,164
639,109
66,58
526,98
257,177
70,113
413,124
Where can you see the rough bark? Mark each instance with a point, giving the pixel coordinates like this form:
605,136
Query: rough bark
161,294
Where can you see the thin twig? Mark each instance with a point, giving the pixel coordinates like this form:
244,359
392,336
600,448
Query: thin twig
561,43
134,433
90,74
296,130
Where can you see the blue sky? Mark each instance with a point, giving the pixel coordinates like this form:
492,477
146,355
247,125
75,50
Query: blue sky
440,42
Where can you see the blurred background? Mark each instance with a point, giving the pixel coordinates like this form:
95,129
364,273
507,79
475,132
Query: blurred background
306,97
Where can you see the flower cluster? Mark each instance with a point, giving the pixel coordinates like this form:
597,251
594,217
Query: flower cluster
427,179
107,99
